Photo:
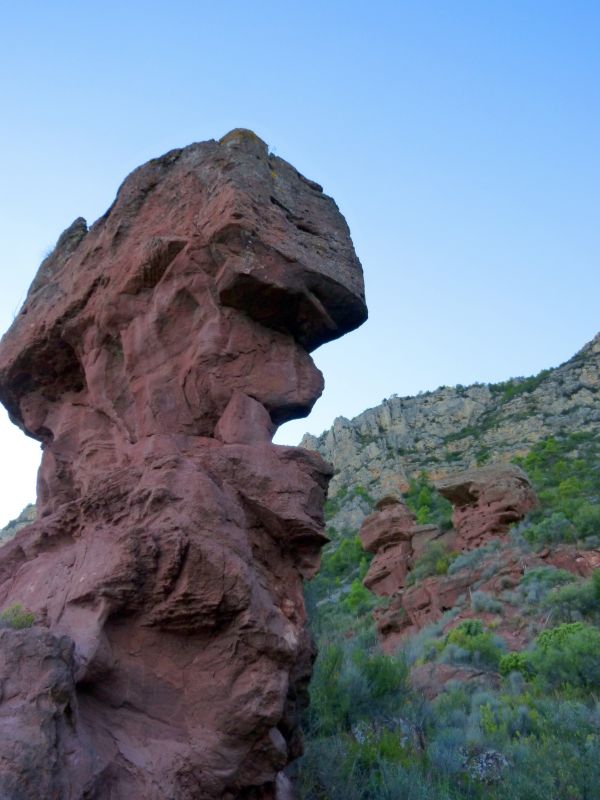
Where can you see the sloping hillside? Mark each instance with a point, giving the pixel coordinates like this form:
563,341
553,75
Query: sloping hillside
455,428
488,687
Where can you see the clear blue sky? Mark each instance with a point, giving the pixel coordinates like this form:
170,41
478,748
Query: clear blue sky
460,139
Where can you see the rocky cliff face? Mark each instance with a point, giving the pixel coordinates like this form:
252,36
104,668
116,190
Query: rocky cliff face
454,429
154,357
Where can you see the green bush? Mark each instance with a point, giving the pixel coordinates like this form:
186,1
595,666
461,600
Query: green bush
516,386
330,700
568,656
340,558
17,617
564,473
587,520
435,560
596,584
335,503
548,576
358,600
471,558
516,662
538,583
573,601
468,627
360,491
383,673
428,506
482,602
480,645
352,684
552,529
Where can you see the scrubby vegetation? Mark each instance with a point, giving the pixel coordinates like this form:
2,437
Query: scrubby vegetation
427,505
565,472
536,737
345,495
435,560
470,642
528,728
513,387
17,617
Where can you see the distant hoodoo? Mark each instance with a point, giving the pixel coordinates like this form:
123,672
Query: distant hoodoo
486,502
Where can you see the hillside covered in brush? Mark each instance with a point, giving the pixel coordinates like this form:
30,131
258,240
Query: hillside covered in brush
449,667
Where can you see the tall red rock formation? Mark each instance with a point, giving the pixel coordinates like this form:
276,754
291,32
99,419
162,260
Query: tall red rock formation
392,534
154,357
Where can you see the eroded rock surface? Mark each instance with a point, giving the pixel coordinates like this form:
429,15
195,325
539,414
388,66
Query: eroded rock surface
486,502
154,357
392,534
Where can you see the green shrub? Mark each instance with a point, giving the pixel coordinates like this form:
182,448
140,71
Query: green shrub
335,503
343,557
383,673
479,645
587,520
573,601
516,386
516,662
552,529
537,583
568,656
471,558
358,600
17,617
596,584
481,602
548,576
330,700
428,506
564,472
360,491
558,637
435,560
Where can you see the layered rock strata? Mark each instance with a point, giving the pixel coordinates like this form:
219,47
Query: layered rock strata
154,357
